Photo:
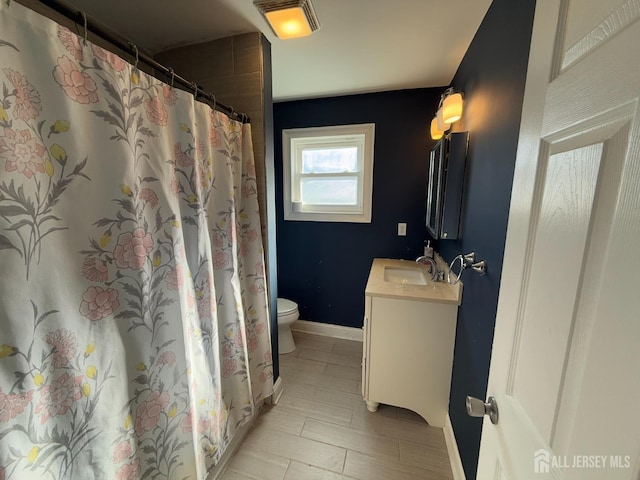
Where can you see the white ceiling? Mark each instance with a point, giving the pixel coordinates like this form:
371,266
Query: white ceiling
362,46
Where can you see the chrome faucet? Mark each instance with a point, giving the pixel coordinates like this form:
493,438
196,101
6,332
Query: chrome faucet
436,275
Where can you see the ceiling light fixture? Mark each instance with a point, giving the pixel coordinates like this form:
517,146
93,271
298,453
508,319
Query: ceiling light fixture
449,111
289,18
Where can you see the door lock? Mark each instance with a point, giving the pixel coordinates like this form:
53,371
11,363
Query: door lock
478,408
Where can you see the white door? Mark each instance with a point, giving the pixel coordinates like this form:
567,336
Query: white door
565,367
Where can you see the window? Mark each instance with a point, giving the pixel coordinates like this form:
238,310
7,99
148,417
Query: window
328,173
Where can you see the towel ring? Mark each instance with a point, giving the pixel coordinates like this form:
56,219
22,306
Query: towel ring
463,265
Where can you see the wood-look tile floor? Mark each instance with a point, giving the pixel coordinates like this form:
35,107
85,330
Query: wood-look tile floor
322,430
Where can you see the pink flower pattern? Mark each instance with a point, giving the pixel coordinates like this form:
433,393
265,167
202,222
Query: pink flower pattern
112,59
65,346
76,85
132,249
98,303
215,139
220,260
150,196
170,95
12,405
129,471
71,42
94,270
174,278
204,307
187,423
167,358
58,398
122,451
22,153
156,112
228,367
27,104
182,158
217,239
148,412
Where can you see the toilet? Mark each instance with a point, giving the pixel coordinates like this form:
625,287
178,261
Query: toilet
287,314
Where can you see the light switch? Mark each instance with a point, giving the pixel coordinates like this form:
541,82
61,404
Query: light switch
402,229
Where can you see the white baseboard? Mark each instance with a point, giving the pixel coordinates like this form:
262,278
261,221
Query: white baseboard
328,330
278,389
452,449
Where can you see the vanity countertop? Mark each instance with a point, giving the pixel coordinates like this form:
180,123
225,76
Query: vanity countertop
440,292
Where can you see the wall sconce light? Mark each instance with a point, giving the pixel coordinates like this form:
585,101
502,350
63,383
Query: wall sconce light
449,111
436,133
289,18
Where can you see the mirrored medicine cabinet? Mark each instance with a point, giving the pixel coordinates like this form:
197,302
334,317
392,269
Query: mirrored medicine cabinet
447,164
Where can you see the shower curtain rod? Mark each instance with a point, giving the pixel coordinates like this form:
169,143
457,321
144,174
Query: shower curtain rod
121,42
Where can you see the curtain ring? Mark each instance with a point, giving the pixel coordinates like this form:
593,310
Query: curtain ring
173,76
214,102
195,92
134,47
84,19
8,3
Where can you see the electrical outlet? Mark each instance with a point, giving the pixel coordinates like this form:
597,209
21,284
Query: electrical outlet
402,229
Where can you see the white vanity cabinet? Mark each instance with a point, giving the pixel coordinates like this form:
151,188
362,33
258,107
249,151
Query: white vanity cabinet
409,334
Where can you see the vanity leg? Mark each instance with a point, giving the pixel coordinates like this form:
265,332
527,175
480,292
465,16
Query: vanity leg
372,406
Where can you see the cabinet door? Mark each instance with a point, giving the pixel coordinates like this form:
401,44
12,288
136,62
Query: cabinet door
410,355
454,174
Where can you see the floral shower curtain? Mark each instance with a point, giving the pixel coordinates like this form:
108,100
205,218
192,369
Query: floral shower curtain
134,334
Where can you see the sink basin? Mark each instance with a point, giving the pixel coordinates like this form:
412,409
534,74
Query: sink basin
411,276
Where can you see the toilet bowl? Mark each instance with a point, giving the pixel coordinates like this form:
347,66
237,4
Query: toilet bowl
287,314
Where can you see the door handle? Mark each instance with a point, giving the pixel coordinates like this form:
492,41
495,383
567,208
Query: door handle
478,408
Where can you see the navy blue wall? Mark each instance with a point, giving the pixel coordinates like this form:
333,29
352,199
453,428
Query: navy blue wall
324,266
492,77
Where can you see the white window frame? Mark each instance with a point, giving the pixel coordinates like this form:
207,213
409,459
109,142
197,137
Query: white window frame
295,140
